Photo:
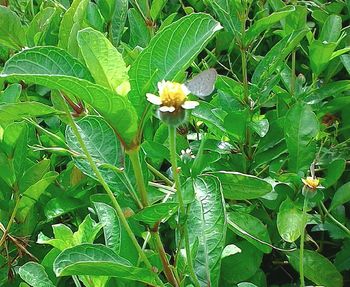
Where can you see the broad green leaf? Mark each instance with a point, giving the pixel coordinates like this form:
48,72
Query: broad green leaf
289,221
169,54
107,8
341,196
34,174
320,54
12,33
156,8
63,237
301,127
11,94
206,223
59,206
118,21
99,260
32,195
317,268
334,89
228,13
157,212
72,22
342,259
334,171
139,32
34,274
56,69
241,266
253,226
18,111
102,58
265,23
331,29
103,146
39,32
237,185
111,226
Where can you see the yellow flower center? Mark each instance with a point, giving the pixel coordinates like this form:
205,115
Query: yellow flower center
312,183
172,94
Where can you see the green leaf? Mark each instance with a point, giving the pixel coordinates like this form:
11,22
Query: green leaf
139,32
317,268
156,8
118,21
320,54
102,58
32,195
334,171
341,196
34,274
206,223
103,146
111,225
12,33
11,94
301,127
63,237
237,185
34,174
246,264
289,221
71,23
274,60
56,69
265,23
157,212
169,54
87,231
38,33
331,29
99,260
18,111
247,223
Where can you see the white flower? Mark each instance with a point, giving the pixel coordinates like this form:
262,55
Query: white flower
172,97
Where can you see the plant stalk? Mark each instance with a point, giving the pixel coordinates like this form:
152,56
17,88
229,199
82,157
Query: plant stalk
302,239
109,192
136,164
173,160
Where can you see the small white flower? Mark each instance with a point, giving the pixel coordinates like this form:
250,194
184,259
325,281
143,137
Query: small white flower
172,97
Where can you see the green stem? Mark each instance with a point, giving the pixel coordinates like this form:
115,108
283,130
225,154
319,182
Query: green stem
115,203
340,225
173,160
292,79
159,174
136,164
302,239
140,182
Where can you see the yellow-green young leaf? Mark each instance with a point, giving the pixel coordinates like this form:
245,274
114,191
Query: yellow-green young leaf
12,33
169,54
341,196
32,195
99,260
104,61
317,268
71,23
56,69
34,274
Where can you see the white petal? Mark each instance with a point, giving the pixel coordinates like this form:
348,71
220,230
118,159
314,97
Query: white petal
188,105
153,99
161,86
185,90
167,109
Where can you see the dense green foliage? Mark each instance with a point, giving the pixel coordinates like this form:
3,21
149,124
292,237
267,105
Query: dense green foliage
252,189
